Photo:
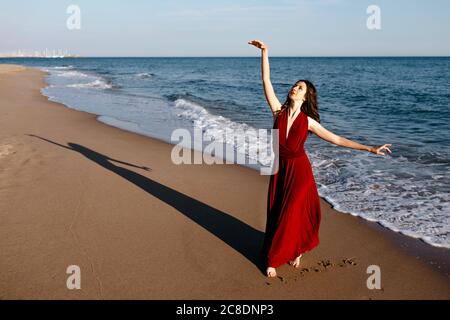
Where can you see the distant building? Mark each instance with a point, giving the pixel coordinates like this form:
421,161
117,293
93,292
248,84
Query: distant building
59,53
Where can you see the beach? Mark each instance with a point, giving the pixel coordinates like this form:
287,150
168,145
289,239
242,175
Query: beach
75,191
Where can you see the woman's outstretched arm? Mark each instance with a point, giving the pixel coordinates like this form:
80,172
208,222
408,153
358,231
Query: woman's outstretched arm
271,98
329,136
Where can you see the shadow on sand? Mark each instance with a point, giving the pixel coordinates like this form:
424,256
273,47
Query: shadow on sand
237,234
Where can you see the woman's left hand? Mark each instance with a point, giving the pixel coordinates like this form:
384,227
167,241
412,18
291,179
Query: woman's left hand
378,149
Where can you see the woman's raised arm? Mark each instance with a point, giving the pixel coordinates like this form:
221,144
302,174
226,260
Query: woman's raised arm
271,98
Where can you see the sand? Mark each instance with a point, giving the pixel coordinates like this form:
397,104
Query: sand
74,191
10,68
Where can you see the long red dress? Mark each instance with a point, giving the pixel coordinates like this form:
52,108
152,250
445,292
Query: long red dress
293,205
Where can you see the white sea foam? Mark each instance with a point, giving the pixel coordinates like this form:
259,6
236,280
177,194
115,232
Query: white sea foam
71,74
144,75
403,201
76,79
96,84
63,68
215,127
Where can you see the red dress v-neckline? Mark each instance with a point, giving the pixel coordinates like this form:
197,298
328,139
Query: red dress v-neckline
293,122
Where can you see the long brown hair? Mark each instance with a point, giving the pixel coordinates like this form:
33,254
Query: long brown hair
310,106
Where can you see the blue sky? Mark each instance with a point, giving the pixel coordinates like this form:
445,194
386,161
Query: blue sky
222,28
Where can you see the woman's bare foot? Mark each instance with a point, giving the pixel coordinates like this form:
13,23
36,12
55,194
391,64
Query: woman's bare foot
271,272
295,263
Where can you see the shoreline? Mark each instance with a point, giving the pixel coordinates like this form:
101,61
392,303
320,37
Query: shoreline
437,257
432,261
255,168
134,127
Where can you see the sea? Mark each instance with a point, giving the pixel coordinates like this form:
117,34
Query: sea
404,101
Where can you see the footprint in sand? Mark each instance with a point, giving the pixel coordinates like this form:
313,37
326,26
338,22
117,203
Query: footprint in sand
349,261
5,150
322,265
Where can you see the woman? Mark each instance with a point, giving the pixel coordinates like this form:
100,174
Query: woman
293,205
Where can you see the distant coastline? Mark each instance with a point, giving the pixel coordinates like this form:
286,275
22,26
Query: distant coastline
52,53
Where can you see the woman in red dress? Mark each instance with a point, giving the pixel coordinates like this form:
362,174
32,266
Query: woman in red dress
293,203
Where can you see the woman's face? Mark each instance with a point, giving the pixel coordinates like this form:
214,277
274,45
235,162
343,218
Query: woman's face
298,91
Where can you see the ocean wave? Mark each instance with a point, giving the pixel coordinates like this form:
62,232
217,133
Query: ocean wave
188,97
71,78
96,84
404,196
63,67
223,130
144,75
71,74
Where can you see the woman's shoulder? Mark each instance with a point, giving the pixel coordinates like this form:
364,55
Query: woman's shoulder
276,115
278,112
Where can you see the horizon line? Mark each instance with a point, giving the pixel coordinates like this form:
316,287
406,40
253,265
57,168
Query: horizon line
274,56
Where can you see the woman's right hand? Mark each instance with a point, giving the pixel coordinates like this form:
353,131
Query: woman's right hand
378,149
259,44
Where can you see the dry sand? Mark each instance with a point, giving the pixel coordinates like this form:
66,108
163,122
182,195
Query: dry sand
74,191
10,68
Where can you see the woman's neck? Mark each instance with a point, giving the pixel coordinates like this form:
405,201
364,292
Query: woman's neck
293,107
